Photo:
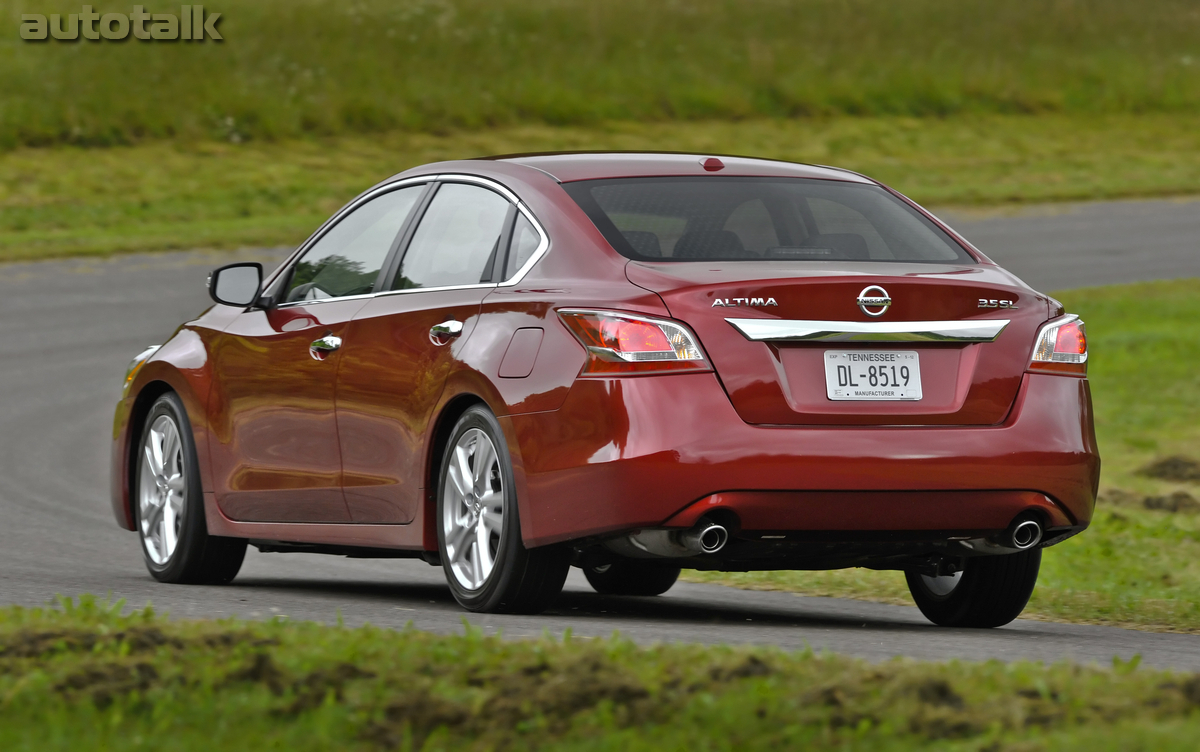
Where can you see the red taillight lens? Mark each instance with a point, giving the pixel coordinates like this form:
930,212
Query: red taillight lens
634,336
621,343
1071,339
1061,347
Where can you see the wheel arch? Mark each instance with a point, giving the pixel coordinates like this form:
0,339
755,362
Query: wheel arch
182,365
138,410
439,436
156,379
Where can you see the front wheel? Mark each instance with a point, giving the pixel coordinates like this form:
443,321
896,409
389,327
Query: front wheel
479,529
990,591
169,504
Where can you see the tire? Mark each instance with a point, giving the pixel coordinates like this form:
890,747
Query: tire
989,592
488,568
168,504
628,577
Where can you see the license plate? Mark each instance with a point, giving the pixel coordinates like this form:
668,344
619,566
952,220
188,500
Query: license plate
872,375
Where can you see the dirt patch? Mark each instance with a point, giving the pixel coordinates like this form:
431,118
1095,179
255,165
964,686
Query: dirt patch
1179,502
547,695
42,643
752,666
39,643
103,682
310,691
261,669
103,666
1178,469
933,708
306,692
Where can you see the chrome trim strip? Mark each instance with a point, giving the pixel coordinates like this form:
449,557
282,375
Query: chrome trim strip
649,318
782,330
542,249
337,216
387,293
318,301
384,294
486,182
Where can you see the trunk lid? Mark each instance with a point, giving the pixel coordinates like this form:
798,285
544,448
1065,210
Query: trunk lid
784,382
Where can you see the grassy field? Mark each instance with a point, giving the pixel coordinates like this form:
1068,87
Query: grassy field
84,677
294,67
1134,567
206,194
253,141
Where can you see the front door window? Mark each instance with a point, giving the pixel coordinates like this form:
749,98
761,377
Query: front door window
347,259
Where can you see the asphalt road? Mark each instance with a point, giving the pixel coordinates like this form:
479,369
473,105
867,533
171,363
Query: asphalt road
1060,246
70,327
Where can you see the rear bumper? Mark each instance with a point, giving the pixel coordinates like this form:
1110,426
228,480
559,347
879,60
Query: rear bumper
663,451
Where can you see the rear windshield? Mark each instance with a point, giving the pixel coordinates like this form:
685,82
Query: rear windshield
714,218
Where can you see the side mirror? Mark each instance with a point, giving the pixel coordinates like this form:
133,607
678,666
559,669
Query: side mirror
236,284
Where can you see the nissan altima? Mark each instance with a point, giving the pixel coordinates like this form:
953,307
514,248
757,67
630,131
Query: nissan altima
628,363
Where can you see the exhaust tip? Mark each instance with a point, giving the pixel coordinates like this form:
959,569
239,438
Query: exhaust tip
713,538
1026,534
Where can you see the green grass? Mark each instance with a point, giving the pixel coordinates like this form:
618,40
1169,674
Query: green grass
1145,374
294,67
82,676
180,194
255,140
1133,567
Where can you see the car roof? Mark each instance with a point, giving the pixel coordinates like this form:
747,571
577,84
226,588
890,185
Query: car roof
566,167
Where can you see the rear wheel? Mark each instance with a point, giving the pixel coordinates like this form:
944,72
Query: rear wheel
169,504
990,591
630,577
479,529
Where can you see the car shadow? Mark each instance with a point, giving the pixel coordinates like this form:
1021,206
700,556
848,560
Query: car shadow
579,606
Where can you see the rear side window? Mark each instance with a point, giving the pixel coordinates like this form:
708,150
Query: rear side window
347,259
525,240
457,239
760,219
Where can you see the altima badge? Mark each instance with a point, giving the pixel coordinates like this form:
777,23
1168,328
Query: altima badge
733,302
874,297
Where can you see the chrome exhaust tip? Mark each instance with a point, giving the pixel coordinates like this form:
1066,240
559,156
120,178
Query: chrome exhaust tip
706,539
1025,534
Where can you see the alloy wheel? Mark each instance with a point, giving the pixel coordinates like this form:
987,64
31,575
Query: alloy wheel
162,490
473,509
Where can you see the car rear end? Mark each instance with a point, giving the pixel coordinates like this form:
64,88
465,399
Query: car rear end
836,381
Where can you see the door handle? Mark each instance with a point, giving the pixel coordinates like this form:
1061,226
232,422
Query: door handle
324,347
441,333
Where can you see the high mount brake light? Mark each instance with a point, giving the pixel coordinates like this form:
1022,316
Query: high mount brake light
1061,347
621,343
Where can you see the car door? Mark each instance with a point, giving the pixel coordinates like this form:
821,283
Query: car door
395,362
275,451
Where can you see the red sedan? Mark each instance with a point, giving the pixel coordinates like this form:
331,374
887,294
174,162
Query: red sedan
630,363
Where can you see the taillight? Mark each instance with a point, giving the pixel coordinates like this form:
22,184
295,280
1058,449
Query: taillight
1061,347
622,343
